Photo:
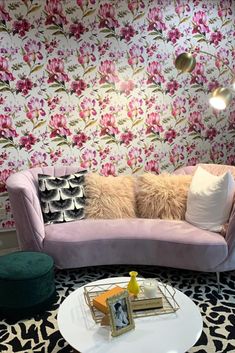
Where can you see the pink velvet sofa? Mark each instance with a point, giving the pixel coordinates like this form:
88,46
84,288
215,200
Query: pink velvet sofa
121,241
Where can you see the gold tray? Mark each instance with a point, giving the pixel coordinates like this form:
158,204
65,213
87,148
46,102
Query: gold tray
167,294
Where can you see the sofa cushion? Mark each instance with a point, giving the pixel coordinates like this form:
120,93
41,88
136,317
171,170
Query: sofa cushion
134,241
62,198
162,196
210,199
109,197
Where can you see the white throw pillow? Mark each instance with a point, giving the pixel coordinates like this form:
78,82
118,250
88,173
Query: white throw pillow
210,199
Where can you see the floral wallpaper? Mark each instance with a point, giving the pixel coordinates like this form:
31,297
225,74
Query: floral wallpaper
93,83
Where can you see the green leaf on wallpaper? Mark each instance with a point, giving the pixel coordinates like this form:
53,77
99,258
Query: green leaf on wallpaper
52,27
202,40
3,29
199,90
34,8
13,6
111,141
37,68
91,123
63,143
5,89
139,16
136,170
58,139
57,33
9,145
90,69
197,137
169,17
105,30
154,139
106,137
89,12
223,72
61,89
157,90
111,35
55,85
152,33
158,38
70,10
137,122
226,23
110,90
41,123
138,71
184,19
180,121
17,67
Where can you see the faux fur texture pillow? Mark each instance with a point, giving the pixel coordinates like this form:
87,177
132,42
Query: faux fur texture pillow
109,197
162,196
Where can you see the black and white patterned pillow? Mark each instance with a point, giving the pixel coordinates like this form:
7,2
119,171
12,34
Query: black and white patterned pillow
62,198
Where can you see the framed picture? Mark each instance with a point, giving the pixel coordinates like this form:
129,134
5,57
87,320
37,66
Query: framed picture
120,313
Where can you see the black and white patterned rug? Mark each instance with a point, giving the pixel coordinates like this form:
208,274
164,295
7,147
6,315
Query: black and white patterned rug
41,334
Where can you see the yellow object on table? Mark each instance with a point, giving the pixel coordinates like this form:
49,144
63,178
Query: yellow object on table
133,286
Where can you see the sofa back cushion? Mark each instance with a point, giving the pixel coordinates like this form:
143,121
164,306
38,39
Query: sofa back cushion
210,200
109,197
162,196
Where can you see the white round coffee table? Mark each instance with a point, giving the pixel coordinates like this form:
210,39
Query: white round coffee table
170,333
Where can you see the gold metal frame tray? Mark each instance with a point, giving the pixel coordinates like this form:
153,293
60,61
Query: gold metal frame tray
167,294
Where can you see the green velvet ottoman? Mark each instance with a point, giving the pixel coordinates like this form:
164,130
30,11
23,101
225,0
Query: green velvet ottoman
26,284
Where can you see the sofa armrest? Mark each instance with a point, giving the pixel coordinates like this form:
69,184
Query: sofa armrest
26,211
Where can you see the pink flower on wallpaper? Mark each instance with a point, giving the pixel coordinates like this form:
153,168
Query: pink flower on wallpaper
152,167
108,73
178,106
86,55
173,35
195,122
83,3
153,123
21,26
55,155
108,169
127,87
198,75
88,159
80,139
38,159
135,5
224,8
170,135
35,108
151,50
155,73
222,57
78,86
76,29
6,129
216,152
213,85
54,13
3,156
58,125
55,68
193,161
135,108
127,137
103,47
53,102
172,86
181,7
127,32
4,15
216,37
24,86
32,51
87,109
155,18
104,153
107,18
134,157
200,23
211,133
5,74
135,55
51,46
108,125
231,120
231,160
176,154
27,141
4,175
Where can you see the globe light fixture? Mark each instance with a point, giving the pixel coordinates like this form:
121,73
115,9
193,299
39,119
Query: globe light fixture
220,98
185,62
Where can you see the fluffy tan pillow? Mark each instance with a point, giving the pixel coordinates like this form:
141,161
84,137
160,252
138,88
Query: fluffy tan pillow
109,197
162,196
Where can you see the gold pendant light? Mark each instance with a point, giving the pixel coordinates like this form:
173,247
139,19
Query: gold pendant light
220,98
185,62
